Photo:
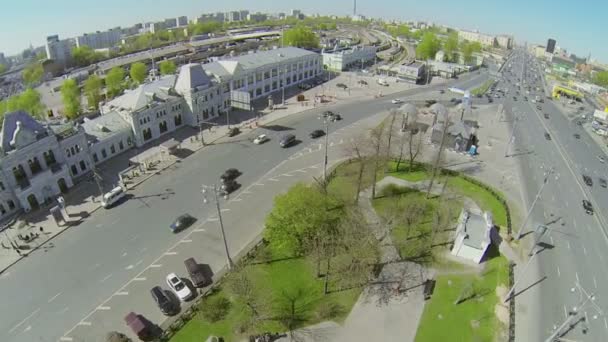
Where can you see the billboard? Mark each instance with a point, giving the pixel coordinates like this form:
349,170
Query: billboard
240,99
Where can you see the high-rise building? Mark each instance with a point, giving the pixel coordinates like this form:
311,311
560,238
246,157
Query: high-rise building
182,21
550,45
354,8
59,50
243,15
100,40
257,17
2,59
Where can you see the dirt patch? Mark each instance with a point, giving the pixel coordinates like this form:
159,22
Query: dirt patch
502,310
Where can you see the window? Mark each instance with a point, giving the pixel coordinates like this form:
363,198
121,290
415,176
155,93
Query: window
74,170
11,204
34,165
205,114
2,186
83,166
112,149
266,75
274,72
288,81
147,133
49,158
178,120
274,85
258,92
95,159
300,77
103,153
258,77
120,145
67,151
129,141
162,127
267,88
250,79
72,150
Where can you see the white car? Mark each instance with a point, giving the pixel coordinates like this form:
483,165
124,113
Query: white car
601,159
397,101
260,139
177,285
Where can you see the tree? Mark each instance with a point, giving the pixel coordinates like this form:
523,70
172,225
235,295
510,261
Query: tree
32,74
376,144
3,68
299,216
138,72
84,56
70,94
205,27
355,151
301,37
440,111
167,67
92,90
468,48
115,336
114,81
250,294
28,101
601,79
428,47
451,46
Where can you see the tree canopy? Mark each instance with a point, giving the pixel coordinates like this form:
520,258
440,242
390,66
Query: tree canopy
92,90
28,101
301,36
70,94
32,74
114,81
84,56
138,72
468,48
451,46
3,68
205,27
601,79
428,47
167,67
399,31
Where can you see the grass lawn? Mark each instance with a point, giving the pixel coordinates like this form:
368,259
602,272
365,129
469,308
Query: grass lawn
273,281
344,184
471,320
483,88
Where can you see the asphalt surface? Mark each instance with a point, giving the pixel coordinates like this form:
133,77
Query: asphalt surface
100,270
573,251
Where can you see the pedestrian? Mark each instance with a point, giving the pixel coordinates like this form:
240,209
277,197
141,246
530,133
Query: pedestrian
41,229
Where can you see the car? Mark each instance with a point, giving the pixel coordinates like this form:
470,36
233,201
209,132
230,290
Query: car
317,133
335,117
580,123
546,115
179,287
230,174
588,180
164,303
588,207
490,101
514,98
547,136
181,222
525,98
342,85
287,140
539,107
577,136
601,159
196,273
396,101
328,113
260,139
228,186
442,91
233,131
603,183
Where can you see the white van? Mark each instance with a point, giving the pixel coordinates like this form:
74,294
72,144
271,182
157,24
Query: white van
115,195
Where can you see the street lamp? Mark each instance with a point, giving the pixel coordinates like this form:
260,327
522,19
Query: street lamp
216,190
326,121
548,174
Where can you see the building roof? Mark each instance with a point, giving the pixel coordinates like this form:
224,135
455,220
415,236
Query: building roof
475,228
191,76
105,126
9,126
140,97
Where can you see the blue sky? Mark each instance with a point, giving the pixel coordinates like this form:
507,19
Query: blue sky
578,26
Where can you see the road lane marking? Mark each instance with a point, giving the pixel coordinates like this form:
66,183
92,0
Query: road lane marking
568,242
122,293
155,266
237,200
594,282
139,279
85,323
258,184
215,219
186,241
558,272
103,308
138,263
64,310
565,312
301,171
576,274
130,267
24,320
66,339
286,175
246,192
225,209
199,230
170,253
106,278
584,250
605,323
273,179
123,255
551,238
53,298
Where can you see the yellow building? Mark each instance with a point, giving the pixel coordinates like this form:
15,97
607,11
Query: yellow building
559,91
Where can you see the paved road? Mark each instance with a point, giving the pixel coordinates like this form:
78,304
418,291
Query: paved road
105,267
576,241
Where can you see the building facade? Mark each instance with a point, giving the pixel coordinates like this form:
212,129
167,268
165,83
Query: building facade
474,36
59,50
340,60
100,40
551,45
504,41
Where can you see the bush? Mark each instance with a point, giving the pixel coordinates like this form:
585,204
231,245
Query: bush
390,190
328,310
215,308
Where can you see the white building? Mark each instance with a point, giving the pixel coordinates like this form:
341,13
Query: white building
473,235
100,40
475,36
339,60
59,50
505,41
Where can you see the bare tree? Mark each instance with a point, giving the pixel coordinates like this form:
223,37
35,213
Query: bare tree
389,131
356,151
439,111
376,144
248,292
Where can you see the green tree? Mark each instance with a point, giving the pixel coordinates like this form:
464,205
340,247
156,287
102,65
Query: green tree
84,56
114,81
70,94
3,68
299,216
428,47
206,27
32,74
138,72
601,78
28,101
92,90
301,36
451,46
468,48
167,67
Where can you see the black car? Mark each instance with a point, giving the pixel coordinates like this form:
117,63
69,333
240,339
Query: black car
317,133
546,116
229,186
233,131
335,117
230,174
577,136
588,180
588,207
328,113
603,183
547,136
182,222
342,85
164,303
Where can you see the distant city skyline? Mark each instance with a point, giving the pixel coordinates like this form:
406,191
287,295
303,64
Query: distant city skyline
573,27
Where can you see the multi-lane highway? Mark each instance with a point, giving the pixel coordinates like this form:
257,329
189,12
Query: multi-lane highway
573,251
105,267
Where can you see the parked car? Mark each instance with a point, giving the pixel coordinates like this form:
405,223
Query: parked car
603,183
335,117
182,222
396,101
601,159
317,133
547,136
164,303
287,140
328,113
260,139
179,287
230,174
588,207
234,131
229,185
196,273
140,326
588,180
546,116
342,85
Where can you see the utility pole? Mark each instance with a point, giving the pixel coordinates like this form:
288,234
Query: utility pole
540,191
215,190
439,152
510,293
325,159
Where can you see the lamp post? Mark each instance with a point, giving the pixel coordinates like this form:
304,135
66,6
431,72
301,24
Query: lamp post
216,190
326,120
548,174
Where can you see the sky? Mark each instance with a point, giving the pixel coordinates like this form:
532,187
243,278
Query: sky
578,26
